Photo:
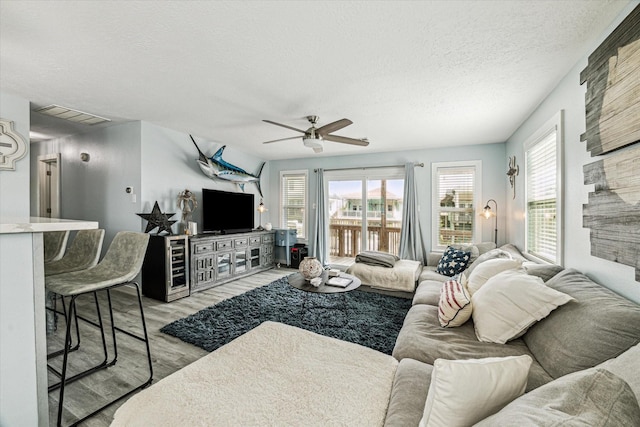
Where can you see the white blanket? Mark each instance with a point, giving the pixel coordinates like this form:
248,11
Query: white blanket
274,375
402,277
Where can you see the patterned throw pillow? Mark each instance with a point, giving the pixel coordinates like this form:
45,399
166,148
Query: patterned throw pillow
453,261
454,308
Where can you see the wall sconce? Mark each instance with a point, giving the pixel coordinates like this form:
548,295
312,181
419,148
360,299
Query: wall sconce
488,213
85,157
514,170
261,208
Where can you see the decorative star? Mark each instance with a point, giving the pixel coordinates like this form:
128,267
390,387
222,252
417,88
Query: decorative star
158,219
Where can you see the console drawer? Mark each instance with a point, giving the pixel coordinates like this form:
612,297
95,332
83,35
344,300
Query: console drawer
224,244
203,247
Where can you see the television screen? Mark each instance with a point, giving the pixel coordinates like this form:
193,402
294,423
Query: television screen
226,212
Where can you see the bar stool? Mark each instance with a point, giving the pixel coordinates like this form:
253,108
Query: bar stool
55,243
119,267
83,253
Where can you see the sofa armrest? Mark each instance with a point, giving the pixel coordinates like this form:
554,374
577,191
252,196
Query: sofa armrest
433,258
409,393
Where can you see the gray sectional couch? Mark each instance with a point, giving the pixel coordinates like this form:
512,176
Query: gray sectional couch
599,329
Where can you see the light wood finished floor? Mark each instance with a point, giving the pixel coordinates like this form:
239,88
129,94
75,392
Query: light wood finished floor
169,354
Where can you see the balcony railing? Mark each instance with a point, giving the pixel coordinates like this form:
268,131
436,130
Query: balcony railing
345,239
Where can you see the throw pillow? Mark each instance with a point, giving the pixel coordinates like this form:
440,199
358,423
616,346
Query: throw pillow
463,392
454,308
509,303
453,261
492,254
594,397
472,249
487,270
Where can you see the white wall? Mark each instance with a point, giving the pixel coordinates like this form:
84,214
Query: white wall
569,96
494,179
95,190
19,403
169,166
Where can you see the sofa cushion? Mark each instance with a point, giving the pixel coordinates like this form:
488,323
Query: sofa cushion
429,273
593,397
453,261
408,394
509,303
627,367
513,251
463,392
543,271
487,270
422,338
428,292
454,308
595,327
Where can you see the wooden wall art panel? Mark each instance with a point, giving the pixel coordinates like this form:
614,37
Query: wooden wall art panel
613,89
613,211
612,108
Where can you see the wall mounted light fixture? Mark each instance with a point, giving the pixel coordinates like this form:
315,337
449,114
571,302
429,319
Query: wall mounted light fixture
85,157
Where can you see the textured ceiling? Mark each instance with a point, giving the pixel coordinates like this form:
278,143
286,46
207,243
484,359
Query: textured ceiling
409,74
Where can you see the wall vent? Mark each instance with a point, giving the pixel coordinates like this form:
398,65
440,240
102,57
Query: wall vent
71,115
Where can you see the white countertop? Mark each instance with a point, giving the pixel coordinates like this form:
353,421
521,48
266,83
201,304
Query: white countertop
38,225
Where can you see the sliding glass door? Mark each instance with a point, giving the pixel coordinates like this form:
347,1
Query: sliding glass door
365,211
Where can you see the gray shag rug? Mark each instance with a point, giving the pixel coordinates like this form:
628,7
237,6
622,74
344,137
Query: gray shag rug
366,318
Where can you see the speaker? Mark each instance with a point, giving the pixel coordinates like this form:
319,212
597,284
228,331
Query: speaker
297,254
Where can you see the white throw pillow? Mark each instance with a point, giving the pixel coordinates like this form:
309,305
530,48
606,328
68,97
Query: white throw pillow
487,270
463,392
509,303
454,308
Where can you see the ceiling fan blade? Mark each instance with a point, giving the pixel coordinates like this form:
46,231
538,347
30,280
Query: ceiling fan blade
317,149
345,140
282,139
284,126
332,127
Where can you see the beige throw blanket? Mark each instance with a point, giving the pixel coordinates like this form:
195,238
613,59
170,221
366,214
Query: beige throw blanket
402,277
274,375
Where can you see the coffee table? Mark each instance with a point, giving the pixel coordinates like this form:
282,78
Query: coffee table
298,281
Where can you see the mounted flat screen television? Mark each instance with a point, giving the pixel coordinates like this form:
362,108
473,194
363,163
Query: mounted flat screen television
225,212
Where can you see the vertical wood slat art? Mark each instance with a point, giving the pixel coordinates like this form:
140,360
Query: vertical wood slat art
612,109
613,211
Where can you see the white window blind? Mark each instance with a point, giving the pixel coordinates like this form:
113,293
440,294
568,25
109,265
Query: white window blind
294,201
542,198
454,204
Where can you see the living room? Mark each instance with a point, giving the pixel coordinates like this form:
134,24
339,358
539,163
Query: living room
158,162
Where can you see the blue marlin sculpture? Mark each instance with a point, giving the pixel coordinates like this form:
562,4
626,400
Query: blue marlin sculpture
216,168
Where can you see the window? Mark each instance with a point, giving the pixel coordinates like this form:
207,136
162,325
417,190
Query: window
293,201
543,171
455,197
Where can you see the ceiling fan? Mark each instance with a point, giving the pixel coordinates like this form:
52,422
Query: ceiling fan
314,137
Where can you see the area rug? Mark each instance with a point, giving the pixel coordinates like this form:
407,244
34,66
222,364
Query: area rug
370,319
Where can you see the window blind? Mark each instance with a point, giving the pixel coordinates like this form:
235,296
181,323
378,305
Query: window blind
294,201
542,195
455,210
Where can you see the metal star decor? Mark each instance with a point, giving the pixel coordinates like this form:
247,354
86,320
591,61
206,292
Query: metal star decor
158,219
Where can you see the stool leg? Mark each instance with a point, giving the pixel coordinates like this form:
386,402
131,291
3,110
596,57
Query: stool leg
64,380
145,339
113,330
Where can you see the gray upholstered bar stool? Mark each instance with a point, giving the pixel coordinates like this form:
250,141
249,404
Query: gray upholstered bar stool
83,253
55,243
119,267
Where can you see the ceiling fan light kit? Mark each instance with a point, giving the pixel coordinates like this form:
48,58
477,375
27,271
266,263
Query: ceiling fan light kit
314,137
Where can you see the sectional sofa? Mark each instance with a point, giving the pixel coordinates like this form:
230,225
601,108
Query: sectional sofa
594,335
578,365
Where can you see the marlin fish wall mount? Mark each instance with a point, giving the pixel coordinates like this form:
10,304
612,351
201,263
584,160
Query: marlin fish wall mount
216,168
